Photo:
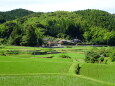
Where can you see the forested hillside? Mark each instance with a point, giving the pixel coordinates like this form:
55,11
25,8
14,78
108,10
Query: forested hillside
13,14
90,26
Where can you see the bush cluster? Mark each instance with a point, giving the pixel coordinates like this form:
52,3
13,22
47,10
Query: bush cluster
9,52
96,55
69,46
64,56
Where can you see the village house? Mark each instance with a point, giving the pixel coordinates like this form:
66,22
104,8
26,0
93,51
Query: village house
60,43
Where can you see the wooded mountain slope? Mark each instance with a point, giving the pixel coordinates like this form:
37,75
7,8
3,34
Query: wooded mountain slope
90,26
13,14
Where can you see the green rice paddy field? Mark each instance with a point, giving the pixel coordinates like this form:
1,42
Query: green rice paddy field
38,70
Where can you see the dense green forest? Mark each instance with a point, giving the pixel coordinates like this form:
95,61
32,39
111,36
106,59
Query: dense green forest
22,27
13,14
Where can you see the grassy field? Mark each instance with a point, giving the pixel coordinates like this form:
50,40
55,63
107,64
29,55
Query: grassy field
105,72
48,80
21,67
25,69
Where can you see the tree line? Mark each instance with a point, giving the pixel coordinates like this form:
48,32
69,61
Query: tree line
90,26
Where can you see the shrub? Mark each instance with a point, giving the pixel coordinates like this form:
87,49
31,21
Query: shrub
92,57
78,69
98,55
2,41
10,52
105,60
112,56
2,53
2,46
65,56
69,46
100,59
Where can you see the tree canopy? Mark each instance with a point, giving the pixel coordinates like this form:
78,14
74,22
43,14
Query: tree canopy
27,28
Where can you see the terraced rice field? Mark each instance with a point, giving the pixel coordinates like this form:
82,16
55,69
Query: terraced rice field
33,70
104,72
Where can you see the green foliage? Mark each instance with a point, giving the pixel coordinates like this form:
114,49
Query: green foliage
61,35
65,56
92,56
2,20
97,35
29,38
32,36
13,14
78,69
15,36
112,54
98,18
39,35
2,41
12,52
90,26
2,53
100,55
69,46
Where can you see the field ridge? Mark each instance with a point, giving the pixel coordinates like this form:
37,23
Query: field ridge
72,67
99,81
79,76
